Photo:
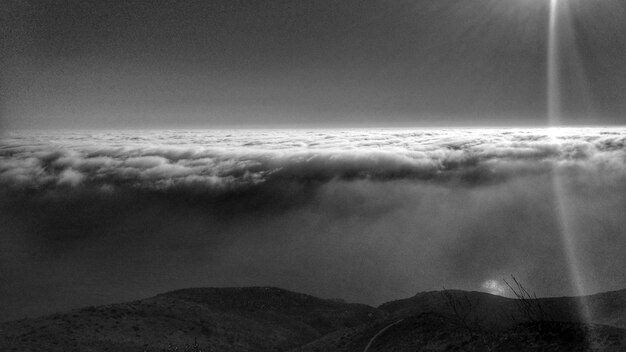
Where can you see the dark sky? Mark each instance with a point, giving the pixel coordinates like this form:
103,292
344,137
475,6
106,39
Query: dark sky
225,63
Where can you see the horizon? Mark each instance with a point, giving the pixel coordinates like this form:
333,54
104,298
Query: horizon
315,128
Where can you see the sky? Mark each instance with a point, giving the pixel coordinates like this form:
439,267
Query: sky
279,63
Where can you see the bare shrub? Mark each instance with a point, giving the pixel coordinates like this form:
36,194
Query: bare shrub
528,305
461,309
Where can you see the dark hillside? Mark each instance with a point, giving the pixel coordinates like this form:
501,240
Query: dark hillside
220,319
496,312
273,319
435,332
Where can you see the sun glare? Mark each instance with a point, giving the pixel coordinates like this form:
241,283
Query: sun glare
494,287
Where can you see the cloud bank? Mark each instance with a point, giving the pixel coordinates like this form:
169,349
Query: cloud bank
368,216
226,160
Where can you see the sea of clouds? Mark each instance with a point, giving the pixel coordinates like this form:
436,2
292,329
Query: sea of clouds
226,160
90,217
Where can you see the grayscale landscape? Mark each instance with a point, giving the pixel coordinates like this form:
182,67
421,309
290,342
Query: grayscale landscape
312,175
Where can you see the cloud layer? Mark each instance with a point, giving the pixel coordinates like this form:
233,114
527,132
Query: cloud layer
224,160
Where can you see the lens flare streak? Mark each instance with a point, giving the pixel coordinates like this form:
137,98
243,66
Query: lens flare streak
554,96
566,226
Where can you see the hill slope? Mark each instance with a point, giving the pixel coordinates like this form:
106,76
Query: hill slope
475,321
489,311
222,319
436,332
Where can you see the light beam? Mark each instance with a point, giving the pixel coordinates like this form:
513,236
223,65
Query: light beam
554,92
566,227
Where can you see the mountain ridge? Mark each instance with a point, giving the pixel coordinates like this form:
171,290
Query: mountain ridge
273,319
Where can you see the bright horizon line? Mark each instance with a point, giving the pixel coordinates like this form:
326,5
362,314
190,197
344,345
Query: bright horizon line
319,128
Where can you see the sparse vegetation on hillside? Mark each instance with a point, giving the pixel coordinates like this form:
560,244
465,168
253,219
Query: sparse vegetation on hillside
528,304
271,319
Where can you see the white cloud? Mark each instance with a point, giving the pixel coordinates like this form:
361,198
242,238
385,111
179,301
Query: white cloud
160,159
70,177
